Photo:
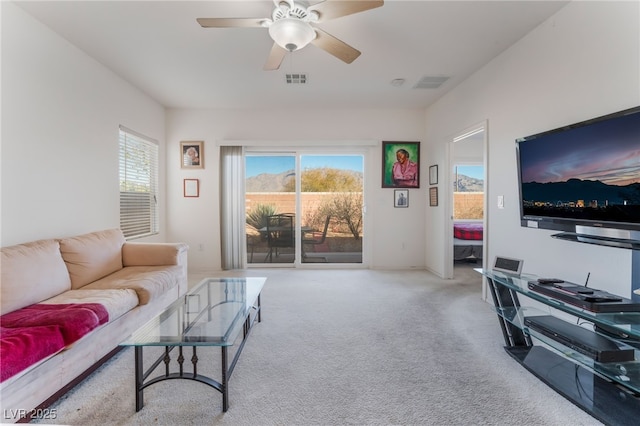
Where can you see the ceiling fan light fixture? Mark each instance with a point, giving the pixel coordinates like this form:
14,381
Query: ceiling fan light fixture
291,34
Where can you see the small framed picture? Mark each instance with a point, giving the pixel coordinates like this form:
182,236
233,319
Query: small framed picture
192,155
401,198
433,196
191,187
433,175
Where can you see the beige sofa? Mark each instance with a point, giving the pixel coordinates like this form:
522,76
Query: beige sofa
67,303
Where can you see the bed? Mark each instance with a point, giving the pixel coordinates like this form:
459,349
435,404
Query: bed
467,241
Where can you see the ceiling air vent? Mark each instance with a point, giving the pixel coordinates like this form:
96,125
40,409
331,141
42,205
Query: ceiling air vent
297,78
431,82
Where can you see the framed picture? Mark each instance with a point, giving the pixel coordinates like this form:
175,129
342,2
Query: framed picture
191,187
401,164
433,175
401,198
192,155
433,196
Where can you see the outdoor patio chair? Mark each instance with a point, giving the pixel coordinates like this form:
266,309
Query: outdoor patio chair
317,237
280,233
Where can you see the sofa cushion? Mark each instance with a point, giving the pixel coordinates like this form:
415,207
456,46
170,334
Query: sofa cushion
90,257
117,302
31,272
25,346
149,282
73,320
152,254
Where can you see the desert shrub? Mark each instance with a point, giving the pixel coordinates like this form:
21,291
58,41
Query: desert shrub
257,216
326,179
345,209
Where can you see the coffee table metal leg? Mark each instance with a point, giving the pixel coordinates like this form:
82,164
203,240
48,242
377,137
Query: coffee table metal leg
139,378
225,380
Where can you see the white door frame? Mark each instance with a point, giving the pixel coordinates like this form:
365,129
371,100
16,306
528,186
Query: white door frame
450,152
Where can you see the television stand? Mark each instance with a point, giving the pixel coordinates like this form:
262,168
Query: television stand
599,240
609,391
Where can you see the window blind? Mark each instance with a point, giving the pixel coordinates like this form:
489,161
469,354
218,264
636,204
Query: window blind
138,184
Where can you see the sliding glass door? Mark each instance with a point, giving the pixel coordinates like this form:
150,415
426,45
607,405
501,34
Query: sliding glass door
270,196
304,208
331,194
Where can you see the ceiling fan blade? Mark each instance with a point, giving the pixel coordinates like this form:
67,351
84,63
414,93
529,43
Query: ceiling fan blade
332,45
276,56
331,9
230,22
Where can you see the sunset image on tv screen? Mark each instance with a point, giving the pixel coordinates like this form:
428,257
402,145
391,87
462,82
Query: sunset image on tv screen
589,171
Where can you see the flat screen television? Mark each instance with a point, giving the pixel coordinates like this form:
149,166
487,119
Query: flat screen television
583,176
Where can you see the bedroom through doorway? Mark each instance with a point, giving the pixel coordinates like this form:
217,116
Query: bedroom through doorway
468,200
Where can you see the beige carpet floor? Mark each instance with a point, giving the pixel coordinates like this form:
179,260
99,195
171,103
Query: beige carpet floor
346,347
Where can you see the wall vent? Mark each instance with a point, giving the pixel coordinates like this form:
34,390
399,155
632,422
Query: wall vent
296,78
431,82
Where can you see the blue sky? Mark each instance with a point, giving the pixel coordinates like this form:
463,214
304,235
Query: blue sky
278,164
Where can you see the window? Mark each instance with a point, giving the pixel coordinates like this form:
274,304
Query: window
138,184
321,189
468,192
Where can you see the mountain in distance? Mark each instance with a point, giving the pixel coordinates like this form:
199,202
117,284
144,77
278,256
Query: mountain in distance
268,182
577,189
468,184
275,182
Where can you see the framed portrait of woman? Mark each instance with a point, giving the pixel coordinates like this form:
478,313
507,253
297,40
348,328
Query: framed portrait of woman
401,164
192,155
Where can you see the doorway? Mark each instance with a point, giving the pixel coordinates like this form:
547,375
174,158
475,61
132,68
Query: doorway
304,208
467,225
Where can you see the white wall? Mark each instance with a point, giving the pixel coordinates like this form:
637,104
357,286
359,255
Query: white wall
61,111
197,220
60,116
582,63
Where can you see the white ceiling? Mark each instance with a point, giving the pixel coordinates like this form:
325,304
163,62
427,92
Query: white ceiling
159,47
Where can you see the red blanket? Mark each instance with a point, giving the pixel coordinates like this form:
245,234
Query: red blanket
22,347
37,331
468,231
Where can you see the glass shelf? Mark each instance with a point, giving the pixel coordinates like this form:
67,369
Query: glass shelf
212,314
609,391
627,323
624,373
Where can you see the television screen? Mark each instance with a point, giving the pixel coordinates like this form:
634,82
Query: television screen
587,174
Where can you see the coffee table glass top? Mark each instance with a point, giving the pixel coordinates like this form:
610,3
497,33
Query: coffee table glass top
212,314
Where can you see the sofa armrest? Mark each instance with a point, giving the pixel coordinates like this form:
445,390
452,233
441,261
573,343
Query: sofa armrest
154,254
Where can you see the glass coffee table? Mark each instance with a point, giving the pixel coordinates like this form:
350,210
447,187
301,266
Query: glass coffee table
214,313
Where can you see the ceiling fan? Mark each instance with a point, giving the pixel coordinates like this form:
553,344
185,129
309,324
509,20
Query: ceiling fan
292,27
